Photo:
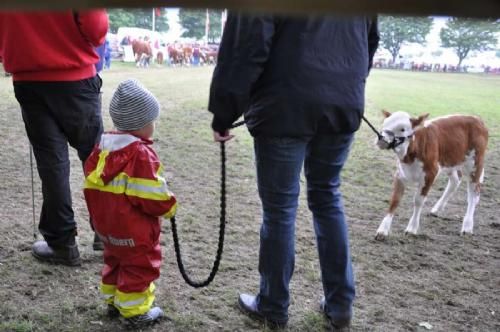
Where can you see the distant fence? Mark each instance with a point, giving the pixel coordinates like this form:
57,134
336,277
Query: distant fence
435,67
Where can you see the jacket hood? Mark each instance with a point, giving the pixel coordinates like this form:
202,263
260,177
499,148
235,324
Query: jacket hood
116,151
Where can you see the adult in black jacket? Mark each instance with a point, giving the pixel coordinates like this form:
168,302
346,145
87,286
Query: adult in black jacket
300,84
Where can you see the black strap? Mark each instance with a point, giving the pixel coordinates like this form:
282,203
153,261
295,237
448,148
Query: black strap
398,140
237,124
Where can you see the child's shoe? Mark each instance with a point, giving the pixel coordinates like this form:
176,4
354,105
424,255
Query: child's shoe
112,311
149,318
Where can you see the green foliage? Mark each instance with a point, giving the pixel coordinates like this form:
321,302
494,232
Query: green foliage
194,22
214,32
395,31
139,18
465,35
120,18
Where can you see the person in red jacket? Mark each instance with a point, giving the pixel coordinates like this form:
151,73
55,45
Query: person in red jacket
126,195
56,85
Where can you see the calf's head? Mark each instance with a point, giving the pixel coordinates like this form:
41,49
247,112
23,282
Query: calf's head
397,129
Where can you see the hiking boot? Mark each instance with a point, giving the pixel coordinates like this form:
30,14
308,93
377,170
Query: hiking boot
340,325
112,311
65,255
97,245
144,320
248,306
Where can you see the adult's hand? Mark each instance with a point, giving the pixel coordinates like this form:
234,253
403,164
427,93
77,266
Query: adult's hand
222,137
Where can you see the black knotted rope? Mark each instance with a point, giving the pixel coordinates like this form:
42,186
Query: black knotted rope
372,127
215,267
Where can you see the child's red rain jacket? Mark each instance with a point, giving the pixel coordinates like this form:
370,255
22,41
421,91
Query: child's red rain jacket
126,195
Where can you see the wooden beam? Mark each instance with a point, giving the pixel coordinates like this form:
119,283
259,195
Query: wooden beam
465,8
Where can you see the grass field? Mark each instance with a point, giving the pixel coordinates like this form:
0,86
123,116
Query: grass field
437,277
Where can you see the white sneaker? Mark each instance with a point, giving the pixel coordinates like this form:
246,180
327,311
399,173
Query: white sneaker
149,318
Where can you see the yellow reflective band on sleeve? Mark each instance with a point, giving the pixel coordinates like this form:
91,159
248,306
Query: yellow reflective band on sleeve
171,212
133,304
108,292
95,176
150,189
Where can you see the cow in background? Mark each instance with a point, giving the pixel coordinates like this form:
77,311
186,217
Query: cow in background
175,55
142,52
159,58
453,144
187,52
209,56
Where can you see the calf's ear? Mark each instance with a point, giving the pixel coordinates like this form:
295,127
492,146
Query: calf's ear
386,114
415,122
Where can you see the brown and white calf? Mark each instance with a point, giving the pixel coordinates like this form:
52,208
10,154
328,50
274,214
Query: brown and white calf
454,144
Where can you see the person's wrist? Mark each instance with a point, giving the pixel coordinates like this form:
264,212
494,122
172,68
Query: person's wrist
218,126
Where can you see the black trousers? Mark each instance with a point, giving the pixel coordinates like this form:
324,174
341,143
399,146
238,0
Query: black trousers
56,114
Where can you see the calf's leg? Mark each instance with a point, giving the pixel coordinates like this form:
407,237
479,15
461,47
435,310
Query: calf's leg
385,225
414,223
419,200
472,200
475,180
454,180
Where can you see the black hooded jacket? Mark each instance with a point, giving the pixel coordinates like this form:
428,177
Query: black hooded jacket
292,76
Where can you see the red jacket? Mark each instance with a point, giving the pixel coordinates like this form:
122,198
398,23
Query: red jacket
51,46
126,193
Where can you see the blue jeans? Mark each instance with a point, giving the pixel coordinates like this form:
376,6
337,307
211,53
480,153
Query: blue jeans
279,163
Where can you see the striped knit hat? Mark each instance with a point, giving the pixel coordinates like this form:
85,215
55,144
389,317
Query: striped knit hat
133,106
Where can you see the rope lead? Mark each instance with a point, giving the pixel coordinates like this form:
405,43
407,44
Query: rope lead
215,267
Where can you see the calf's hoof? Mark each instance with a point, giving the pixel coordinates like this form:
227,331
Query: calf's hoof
380,237
410,233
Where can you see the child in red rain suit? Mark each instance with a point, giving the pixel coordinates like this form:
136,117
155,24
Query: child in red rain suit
126,196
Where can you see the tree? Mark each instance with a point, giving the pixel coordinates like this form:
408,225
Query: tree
194,20
395,31
214,32
465,35
139,18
